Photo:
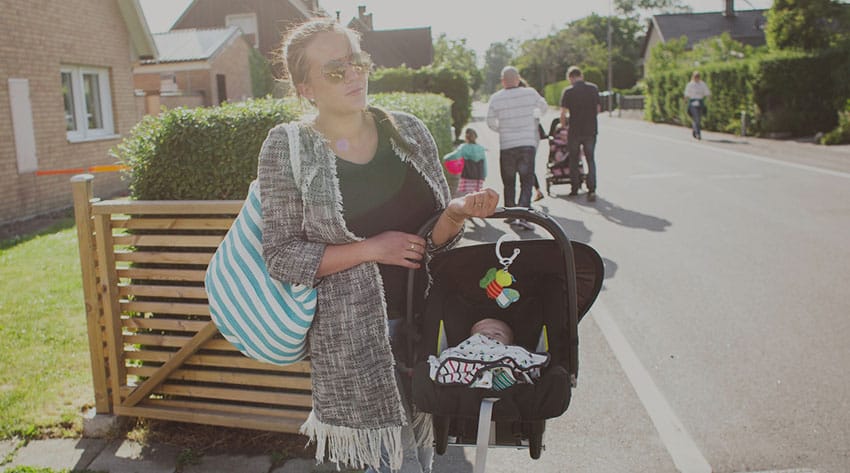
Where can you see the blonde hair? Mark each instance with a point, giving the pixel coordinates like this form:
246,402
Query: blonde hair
294,49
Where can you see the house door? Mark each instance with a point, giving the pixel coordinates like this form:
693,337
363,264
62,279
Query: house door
222,87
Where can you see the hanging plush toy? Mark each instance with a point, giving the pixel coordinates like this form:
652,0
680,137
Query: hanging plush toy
496,281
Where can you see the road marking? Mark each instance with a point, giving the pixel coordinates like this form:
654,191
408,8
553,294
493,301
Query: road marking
735,176
684,452
755,157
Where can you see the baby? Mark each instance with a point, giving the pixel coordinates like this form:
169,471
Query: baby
495,329
487,359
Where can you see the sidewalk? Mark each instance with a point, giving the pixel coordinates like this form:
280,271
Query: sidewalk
126,456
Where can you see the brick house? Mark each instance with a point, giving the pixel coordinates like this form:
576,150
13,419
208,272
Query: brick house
196,67
412,47
262,21
746,26
66,93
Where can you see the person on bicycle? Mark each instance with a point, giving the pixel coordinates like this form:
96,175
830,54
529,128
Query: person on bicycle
696,92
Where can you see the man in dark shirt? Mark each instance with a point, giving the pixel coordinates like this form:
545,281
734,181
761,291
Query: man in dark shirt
581,101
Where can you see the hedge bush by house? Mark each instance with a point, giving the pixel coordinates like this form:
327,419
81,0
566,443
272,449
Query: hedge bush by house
552,92
447,82
841,133
790,93
211,153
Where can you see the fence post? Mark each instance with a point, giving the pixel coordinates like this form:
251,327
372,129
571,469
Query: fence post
83,197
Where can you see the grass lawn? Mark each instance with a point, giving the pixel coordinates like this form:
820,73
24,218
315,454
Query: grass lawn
45,377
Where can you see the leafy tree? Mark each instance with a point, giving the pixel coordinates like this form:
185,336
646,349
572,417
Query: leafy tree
806,25
633,8
454,54
674,53
498,56
626,39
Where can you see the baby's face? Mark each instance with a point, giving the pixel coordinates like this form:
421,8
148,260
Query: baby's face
495,329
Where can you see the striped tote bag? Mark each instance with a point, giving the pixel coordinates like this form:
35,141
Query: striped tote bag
263,318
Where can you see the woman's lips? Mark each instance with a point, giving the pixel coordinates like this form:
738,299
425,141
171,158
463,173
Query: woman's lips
354,92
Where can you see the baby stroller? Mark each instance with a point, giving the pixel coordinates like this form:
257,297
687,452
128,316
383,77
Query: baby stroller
558,163
556,280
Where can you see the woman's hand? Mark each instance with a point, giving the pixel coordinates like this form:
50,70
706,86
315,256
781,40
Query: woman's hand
396,248
476,204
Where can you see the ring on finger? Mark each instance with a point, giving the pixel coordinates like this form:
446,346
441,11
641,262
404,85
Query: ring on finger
412,246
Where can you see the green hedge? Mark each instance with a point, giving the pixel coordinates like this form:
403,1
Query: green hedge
211,153
447,82
783,93
552,92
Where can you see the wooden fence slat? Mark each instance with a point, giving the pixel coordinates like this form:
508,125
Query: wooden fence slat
227,377
168,207
108,289
224,394
179,292
83,197
242,421
297,415
165,370
218,361
156,274
174,325
163,257
172,223
182,241
165,308
173,341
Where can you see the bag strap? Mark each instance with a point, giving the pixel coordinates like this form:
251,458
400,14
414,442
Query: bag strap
294,150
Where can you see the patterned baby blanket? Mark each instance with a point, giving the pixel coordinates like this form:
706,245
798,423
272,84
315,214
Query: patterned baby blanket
481,362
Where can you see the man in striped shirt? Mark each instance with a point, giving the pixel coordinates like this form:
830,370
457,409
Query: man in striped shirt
514,112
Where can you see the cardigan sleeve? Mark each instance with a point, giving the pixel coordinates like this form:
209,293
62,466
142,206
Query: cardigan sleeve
288,255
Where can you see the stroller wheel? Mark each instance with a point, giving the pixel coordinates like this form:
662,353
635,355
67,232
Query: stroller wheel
441,434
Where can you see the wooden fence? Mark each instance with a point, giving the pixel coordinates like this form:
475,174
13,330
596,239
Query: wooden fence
154,351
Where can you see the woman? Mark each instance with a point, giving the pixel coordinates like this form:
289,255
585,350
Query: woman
475,163
368,180
695,93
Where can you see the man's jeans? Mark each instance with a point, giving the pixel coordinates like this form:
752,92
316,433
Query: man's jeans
517,160
588,144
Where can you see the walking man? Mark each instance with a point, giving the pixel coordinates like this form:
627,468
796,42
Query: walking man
513,113
581,101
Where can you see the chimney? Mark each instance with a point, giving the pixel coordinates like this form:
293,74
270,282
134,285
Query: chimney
365,19
729,10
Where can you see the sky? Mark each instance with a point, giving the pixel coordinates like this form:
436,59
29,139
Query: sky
480,22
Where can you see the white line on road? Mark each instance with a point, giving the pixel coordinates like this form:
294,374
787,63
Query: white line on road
763,159
684,452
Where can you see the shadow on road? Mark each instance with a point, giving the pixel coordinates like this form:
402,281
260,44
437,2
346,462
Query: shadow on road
454,461
625,217
727,141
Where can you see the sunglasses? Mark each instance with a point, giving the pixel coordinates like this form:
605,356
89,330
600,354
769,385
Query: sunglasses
334,71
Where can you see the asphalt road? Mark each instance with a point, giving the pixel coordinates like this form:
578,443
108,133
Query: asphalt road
721,339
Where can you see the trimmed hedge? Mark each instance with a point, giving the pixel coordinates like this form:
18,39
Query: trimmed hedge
552,92
211,153
449,83
780,93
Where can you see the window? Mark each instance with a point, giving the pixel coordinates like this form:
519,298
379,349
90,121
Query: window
88,103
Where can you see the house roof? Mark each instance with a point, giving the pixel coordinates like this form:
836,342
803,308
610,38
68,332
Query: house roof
392,48
192,44
303,9
745,26
141,41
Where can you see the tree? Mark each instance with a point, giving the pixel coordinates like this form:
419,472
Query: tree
806,25
455,55
498,56
626,40
633,8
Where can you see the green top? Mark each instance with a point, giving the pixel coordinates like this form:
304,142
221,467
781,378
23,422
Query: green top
470,152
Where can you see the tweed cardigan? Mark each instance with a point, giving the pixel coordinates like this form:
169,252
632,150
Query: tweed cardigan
300,219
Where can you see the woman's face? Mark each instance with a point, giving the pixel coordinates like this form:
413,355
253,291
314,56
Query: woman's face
338,77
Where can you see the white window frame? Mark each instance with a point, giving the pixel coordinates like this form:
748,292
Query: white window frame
83,132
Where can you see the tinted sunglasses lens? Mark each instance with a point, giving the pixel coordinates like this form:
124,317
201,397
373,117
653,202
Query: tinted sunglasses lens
334,73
